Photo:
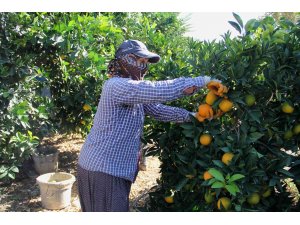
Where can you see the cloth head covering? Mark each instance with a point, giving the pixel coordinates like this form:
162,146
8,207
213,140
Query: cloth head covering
125,63
137,48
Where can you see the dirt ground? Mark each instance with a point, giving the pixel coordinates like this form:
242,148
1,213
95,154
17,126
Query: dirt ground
24,195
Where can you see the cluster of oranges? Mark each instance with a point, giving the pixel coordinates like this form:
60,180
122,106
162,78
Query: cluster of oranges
210,196
289,109
216,90
205,111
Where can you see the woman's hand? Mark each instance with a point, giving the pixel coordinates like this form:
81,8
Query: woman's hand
190,90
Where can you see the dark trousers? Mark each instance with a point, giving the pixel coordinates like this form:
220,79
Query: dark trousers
101,192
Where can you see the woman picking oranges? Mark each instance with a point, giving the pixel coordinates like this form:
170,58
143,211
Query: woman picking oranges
108,161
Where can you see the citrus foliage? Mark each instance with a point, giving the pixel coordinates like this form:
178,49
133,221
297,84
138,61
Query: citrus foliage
253,146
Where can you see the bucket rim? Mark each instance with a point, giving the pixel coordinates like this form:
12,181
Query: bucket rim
71,180
37,154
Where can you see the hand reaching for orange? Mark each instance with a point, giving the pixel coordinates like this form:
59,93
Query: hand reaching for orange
190,90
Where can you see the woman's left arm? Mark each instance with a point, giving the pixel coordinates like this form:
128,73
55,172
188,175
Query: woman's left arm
167,113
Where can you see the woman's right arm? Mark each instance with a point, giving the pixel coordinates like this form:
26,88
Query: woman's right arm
127,91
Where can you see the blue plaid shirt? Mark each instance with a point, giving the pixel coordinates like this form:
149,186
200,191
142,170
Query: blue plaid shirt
113,144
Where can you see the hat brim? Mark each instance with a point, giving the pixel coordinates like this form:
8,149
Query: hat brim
153,58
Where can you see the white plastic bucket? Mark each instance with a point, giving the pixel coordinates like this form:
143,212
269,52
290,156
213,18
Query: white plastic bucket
46,163
55,189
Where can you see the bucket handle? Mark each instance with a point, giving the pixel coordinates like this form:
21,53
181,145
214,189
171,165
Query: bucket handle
60,187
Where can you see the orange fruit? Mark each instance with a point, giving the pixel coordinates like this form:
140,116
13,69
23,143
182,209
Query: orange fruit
267,192
87,107
205,111
217,88
199,118
296,129
226,203
226,105
227,157
288,135
209,197
287,108
169,199
250,99
210,98
207,175
205,139
214,86
253,199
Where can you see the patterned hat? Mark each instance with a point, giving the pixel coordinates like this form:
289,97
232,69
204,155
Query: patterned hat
137,48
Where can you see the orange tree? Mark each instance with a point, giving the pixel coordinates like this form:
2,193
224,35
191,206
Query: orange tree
254,145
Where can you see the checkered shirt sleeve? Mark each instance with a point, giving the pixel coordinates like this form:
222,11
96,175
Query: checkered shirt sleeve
166,113
127,91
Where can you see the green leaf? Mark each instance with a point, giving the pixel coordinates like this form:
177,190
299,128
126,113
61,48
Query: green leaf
187,126
29,133
231,189
238,208
251,25
255,152
259,173
181,183
5,94
235,186
218,163
201,163
225,149
71,23
216,174
253,137
217,184
14,169
2,169
211,181
230,138
273,182
238,19
287,173
255,115
297,162
188,133
236,177
236,26
12,175
182,158
3,174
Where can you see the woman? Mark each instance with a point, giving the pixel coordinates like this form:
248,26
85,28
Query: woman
108,161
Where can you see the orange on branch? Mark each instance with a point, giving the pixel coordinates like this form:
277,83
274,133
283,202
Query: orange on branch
205,139
287,108
225,105
207,175
225,202
210,98
227,157
253,199
205,111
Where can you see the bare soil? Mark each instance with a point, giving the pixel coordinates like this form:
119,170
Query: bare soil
24,195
